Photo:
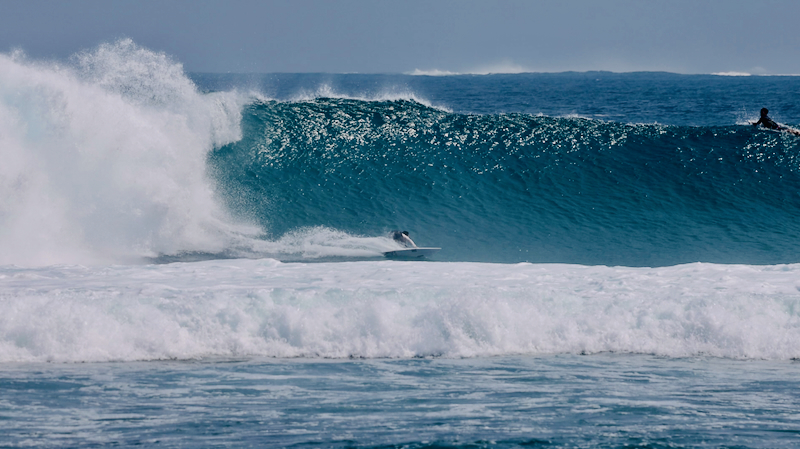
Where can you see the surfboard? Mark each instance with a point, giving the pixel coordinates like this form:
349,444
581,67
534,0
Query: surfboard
410,253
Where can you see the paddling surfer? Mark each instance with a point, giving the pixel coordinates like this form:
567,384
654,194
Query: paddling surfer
768,123
765,121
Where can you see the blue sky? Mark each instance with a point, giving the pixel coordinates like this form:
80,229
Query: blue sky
461,36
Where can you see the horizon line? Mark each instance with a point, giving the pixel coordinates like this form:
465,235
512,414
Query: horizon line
440,73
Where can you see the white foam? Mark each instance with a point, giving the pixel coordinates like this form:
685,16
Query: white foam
433,72
315,243
502,67
731,74
395,309
104,158
505,67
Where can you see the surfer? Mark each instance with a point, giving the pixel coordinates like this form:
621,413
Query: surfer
767,122
402,238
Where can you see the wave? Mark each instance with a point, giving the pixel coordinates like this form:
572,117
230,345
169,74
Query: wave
247,308
433,72
732,74
327,91
516,187
117,156
505,67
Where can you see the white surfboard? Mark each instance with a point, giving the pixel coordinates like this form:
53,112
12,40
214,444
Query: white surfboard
410,253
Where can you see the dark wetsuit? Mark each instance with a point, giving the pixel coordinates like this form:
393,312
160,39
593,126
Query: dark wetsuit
403,239
767,122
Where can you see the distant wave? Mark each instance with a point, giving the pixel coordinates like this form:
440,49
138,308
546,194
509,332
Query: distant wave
753,74
326,91
434,72
731,74
506,67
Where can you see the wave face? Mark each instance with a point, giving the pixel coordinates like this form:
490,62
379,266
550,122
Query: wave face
104,158
516,187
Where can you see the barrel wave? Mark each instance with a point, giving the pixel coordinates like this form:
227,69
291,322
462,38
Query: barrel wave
515,187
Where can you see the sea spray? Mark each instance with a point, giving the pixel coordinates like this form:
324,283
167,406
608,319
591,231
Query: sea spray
104,158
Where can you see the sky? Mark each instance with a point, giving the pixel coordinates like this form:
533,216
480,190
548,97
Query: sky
422,36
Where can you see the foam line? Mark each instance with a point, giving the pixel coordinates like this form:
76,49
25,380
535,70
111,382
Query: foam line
243,308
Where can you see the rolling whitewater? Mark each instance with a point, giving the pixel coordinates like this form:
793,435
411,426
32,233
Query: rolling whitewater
197,259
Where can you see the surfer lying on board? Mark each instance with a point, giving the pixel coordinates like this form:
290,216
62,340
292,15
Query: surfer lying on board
402,238
768,123
765,121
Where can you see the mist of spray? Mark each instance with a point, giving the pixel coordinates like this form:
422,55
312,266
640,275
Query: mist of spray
104,158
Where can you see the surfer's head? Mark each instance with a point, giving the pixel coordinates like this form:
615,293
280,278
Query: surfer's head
764,112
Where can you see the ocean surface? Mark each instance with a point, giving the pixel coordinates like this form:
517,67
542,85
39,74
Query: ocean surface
196,260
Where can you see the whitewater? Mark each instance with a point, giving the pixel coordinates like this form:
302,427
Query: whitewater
197,259
248,308
104,158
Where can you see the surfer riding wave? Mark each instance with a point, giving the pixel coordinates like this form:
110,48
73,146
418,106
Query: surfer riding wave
402,238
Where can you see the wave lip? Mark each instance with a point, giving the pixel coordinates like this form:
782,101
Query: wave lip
326,91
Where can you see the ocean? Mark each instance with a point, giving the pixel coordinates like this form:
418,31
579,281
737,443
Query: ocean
196,260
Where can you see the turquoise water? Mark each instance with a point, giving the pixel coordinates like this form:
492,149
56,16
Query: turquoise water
197,259
518,187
